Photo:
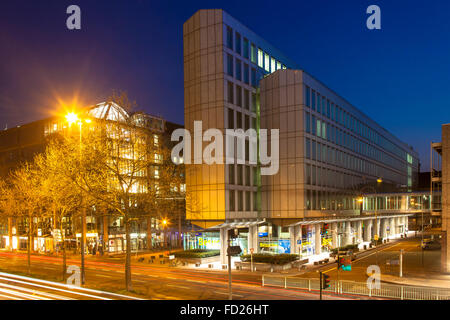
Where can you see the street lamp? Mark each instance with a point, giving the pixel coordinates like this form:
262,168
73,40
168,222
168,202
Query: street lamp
71,118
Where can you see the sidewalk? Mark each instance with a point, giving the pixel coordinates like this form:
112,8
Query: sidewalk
419,280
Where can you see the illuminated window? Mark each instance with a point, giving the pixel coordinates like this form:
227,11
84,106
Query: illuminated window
266,62
272,65
260,58
278,65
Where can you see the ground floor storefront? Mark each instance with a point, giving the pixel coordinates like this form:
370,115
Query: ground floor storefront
308,238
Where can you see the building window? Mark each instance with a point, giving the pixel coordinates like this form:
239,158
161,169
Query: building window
231,173
266,62
253,76
246,99
248,202
237,47
247,122
229,64
246,48
307,122
232,201
246,75
307,96
272,65
239,168
260,58
230,38
313,100
238,120
239,96
278,65
248,181
238,70
254,54
240,201
308,148
230,92
230,119
313,127
254,102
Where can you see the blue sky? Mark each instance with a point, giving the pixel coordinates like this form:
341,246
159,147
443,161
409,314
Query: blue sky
399,75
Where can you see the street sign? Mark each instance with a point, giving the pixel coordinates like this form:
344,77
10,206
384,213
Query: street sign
234,250
262,234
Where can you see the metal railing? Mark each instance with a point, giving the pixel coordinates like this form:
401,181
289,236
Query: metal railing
390,291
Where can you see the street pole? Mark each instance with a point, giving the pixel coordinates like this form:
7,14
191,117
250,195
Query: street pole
337,284
401,263
320,284
83,225
423,263
230,293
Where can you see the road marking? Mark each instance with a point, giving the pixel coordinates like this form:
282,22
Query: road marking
103,275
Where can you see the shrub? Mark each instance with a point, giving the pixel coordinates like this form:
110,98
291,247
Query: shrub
197,253
277,259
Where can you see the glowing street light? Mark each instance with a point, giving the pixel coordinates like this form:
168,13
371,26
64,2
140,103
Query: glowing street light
71,118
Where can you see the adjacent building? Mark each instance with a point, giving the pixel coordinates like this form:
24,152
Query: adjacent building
22,143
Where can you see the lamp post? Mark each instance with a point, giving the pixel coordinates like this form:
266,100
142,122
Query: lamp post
73,118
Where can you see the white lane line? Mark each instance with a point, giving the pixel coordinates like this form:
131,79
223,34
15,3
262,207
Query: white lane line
177,286
41,293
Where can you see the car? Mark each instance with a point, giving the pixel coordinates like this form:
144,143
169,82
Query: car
431,244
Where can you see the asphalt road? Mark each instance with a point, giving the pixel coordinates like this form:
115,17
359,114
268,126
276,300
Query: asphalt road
412,262
155,282
16,287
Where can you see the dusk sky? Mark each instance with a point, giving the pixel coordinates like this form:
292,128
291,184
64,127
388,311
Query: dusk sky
399,75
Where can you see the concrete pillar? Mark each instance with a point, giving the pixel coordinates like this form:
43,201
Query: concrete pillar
317,240
347,233
393,231
376,227
334,233
368,230
359,231
253,239
295,233
223,245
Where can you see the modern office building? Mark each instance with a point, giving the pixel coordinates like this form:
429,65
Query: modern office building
22,143
330,152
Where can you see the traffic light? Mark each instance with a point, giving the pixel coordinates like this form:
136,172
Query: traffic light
325,281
